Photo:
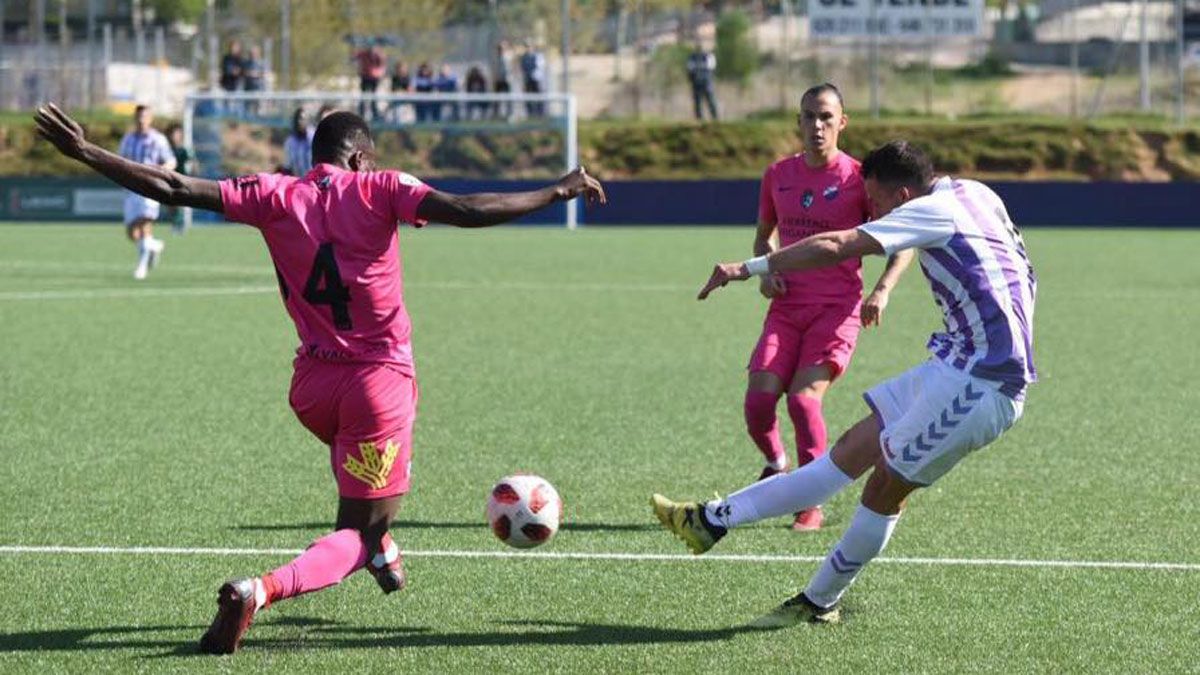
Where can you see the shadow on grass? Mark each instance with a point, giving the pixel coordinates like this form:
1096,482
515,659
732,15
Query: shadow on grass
429,525
318,634
509,634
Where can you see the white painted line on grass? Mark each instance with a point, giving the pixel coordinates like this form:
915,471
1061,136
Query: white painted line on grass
193,291
97,266
634,557
451,284
99,293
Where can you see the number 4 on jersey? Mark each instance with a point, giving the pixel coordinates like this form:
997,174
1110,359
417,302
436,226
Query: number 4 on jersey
325,287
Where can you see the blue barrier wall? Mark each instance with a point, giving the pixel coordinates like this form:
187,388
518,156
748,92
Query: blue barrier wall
716,202
1029,204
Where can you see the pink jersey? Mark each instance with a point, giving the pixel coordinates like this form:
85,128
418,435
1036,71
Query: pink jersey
802,201
332,236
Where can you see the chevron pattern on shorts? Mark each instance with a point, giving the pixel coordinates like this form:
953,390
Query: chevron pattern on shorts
940,428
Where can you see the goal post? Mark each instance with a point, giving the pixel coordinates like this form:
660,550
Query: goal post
461,135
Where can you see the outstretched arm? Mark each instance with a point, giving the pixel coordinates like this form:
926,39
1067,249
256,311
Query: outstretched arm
156,182
876,302
492,208
819,250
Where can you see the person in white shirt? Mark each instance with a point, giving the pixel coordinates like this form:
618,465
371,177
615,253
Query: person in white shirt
144,145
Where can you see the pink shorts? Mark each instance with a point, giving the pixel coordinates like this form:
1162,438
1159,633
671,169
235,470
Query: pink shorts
803,336
364,412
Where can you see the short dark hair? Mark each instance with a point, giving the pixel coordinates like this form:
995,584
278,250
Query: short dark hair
824,88
338,135
140,108
898,163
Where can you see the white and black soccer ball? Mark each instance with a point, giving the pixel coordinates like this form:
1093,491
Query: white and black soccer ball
524,510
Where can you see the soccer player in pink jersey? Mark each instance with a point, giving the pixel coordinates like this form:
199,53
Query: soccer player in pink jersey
812,325
332,236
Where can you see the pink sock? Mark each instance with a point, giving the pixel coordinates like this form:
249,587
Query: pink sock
324,563
811,436
763,427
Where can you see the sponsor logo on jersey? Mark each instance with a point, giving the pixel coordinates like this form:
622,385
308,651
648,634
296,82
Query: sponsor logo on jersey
831,192
374,467
807,200
245,182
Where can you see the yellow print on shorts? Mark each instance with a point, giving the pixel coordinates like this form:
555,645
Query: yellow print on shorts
374,468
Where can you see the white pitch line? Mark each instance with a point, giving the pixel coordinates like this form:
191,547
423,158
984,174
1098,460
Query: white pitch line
632,557
98,293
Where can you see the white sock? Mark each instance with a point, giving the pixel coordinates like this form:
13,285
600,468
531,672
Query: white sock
386,556
867,535
260,594
779,463
810,485
143,245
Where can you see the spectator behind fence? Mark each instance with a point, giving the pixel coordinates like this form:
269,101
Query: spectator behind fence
297,149
476,84
253,75
501,83
183,165
371,67
401,84
447,83
702,67
231,68
423,84
533,69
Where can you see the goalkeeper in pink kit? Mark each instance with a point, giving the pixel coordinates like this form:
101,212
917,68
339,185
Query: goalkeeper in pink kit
812,325
332,237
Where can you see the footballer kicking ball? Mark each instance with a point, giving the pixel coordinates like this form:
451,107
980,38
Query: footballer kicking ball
524,510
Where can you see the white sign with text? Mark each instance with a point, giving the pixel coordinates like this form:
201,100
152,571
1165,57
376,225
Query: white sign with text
896,19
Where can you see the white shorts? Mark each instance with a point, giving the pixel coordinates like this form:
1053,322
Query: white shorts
138,207
934,415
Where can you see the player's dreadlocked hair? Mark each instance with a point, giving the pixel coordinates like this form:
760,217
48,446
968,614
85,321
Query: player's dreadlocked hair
898,163
824,87
338,135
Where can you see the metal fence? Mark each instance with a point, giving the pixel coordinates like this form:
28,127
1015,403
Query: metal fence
1064,57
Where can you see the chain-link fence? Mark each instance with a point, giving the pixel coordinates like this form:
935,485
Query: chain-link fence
1084,58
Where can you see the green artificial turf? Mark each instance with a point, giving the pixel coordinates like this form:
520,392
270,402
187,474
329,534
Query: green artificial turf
154,414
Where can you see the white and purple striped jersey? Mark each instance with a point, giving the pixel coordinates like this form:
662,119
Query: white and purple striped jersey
148,148
982,280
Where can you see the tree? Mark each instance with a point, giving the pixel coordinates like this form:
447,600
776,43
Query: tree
187,11
319,28
737,55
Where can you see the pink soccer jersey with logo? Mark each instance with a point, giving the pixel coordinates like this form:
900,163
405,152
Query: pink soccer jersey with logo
802,201
333,238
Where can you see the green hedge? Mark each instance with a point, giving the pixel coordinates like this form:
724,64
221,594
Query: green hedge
991,148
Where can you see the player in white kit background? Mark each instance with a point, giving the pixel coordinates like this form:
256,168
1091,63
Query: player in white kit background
925,420
144,145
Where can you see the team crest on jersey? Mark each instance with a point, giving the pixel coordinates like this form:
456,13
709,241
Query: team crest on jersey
325,182
807,200
374,467
831,192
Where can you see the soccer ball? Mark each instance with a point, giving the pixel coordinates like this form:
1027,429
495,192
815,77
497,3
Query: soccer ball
524,510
